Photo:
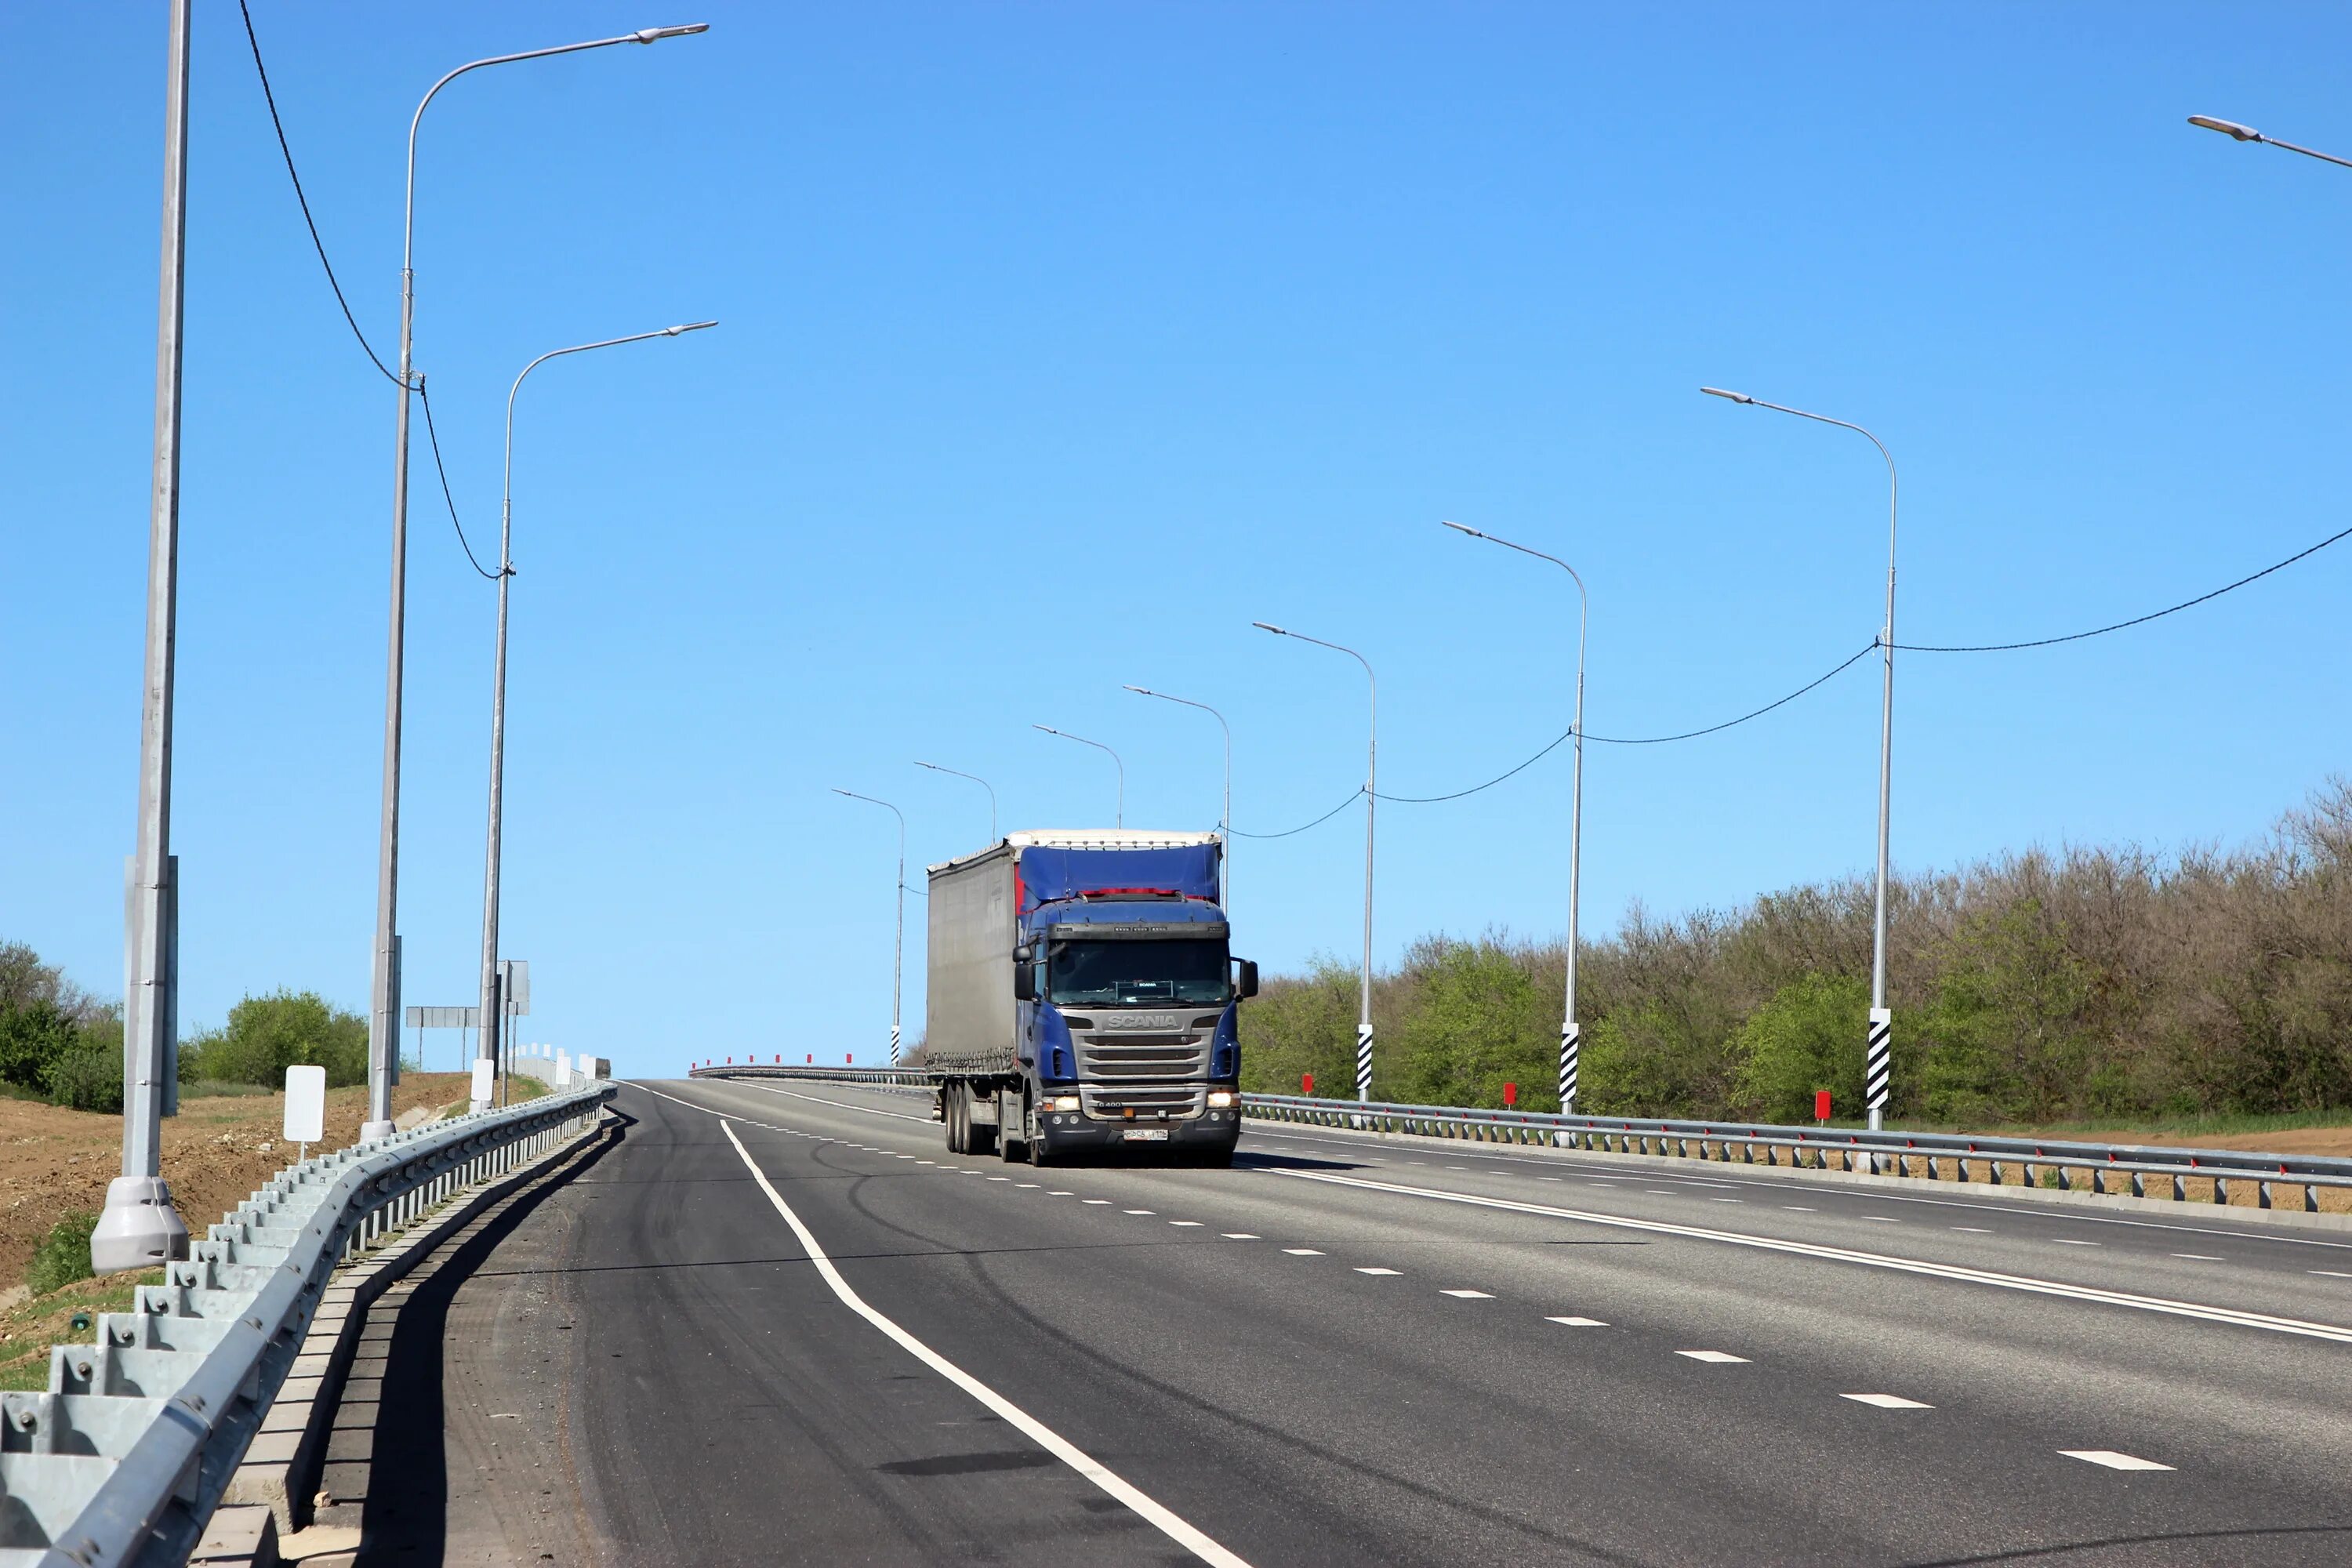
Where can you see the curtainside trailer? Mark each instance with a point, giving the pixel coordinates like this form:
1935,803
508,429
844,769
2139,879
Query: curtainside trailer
1083,997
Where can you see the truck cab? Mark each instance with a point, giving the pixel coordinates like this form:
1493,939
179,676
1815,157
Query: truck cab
1122,1028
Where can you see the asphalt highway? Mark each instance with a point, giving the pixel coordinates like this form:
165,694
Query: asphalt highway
786,1326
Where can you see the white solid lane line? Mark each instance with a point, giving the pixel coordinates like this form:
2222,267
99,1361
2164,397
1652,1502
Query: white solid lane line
1886,1401
1183,1534
2112,1459
2230,1315
1716,1358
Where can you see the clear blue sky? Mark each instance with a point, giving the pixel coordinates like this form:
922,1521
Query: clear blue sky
1062,342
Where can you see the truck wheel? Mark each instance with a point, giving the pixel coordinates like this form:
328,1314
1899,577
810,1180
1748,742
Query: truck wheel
978,1137
1038,1153
958,1118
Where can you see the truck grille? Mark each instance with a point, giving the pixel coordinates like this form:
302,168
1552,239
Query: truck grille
1143,1056
1180,1101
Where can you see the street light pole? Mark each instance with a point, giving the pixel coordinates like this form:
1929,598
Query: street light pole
2230,127
982,783
1877,1067
140,1229
1571,1035
383,1016
1371,799
898,946
1120,818
493,1009
1225,821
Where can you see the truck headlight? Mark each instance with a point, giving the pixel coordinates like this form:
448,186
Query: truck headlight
1065,1102
1221,1098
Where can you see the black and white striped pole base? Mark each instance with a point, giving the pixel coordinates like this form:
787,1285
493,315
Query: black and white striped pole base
1878,1063
894,1045
1363,1061
1571,1037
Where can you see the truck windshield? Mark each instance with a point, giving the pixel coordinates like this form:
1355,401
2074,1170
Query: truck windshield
1105,973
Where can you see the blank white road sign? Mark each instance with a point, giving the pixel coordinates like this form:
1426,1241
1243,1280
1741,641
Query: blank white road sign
306,1105
483,1069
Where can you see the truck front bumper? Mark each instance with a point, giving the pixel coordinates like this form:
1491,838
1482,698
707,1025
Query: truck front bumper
1218,1129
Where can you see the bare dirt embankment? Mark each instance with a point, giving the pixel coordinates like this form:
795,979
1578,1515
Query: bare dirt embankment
55,1161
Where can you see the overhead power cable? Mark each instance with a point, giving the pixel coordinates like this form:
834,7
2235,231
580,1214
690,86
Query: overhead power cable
319,245
2135,620
433,437
271,99
1354,796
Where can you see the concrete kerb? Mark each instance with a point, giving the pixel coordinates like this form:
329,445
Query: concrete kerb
1912,1186
289,1448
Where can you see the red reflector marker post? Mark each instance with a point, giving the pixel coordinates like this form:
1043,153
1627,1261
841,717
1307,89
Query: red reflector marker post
1510,1096
1306,1083
1820,1105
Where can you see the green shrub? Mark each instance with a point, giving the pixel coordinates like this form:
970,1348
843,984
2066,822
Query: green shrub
33,1035
87,1078
63,1256
267,1034
1808,1036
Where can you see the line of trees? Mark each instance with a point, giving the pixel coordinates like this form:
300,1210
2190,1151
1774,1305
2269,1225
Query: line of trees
58,1041
2043,986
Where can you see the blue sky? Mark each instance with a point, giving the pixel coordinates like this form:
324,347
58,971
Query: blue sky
1059,344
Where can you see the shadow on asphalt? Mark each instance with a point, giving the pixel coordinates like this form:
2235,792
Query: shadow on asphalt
405,1518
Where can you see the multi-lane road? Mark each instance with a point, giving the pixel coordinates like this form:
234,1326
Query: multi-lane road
779,1323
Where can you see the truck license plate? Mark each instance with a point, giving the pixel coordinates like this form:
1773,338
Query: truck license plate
1147,1135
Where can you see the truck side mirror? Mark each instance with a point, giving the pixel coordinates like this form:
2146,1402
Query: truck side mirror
1024,982
1247,986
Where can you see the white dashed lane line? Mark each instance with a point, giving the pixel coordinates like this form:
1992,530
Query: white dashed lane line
1378,1271
2070,1241
1302,1252
1238,1236
2331,1273
1470,1295
2113,1460
1578,1322
1715,1358
1886,1401
1187,1223
2198,1256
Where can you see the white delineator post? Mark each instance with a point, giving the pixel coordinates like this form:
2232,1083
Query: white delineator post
139,1228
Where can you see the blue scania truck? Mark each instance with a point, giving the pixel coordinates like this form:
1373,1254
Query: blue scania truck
1083,997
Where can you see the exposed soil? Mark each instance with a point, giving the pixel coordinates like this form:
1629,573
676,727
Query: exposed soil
217,1151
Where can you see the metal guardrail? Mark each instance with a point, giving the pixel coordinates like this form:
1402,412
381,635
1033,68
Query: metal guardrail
122,1459
893,1077
1893,1154
2069,1165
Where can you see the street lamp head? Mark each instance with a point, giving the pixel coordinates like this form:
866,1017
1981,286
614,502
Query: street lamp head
1459,527
1264,627
1047,727
1734,397
1141,691
2229,128
688,326
656,35
838,790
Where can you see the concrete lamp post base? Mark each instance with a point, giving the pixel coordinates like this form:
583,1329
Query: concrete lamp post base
140,1229
375,1131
